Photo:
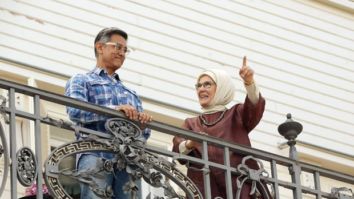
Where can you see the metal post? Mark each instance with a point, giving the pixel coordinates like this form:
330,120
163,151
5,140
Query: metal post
292,150
228,173
290,129
13,172
38,141
275,176
317,184
295,171
206,171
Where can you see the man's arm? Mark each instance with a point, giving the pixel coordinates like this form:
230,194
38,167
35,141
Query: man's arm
76,88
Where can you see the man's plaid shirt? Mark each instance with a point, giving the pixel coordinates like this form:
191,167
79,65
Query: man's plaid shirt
97,87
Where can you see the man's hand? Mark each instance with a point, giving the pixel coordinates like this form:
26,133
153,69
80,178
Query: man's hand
129,111
246,73
144,118
133,114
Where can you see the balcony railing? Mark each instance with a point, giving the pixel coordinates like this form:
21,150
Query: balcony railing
26,167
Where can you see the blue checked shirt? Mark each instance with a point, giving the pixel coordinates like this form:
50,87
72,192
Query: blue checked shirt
97,87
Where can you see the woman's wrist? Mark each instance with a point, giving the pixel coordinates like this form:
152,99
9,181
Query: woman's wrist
248,83
183,148
187,144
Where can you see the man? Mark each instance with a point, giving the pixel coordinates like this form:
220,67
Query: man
102,86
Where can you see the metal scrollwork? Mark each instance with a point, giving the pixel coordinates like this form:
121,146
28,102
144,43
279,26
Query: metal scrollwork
2,108
128,146
258,188
1,150
4,154
342,193
26,166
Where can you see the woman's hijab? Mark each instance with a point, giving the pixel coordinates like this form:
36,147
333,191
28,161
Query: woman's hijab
225,90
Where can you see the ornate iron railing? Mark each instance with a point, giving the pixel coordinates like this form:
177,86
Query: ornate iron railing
140,160
125,142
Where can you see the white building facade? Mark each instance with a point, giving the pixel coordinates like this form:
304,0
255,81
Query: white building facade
301,50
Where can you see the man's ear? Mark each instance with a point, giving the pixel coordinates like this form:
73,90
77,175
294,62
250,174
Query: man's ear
99,48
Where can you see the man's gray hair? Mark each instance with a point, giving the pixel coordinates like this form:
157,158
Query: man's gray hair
105,36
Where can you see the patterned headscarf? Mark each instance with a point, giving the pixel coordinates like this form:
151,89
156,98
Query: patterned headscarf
225,90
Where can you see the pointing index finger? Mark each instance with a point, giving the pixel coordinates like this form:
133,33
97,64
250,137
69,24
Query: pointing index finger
244,63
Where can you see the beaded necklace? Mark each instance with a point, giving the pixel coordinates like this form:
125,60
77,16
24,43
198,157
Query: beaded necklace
206,123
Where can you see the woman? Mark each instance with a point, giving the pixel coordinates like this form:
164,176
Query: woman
215,90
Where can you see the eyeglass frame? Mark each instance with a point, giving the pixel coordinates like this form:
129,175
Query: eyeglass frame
206,85
118,47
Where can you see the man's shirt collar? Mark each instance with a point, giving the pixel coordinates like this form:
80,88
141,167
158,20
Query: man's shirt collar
100,71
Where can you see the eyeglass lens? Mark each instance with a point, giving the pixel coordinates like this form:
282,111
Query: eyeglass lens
119,47
206,84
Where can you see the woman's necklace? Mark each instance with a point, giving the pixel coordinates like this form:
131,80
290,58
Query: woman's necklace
206,123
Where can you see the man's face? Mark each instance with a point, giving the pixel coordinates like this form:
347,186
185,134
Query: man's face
112,54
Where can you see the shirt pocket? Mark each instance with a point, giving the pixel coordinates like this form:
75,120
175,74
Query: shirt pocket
101,92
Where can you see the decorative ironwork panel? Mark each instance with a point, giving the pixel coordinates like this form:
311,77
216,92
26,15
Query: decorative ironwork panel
26,166
128,146
342,193
258,188
4,154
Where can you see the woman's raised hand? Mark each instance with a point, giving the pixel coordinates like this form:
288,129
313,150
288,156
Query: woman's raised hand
246,73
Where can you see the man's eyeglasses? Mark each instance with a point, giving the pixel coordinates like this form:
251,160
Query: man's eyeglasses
119,47
206,85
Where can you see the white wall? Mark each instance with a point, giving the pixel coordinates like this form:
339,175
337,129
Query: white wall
302,52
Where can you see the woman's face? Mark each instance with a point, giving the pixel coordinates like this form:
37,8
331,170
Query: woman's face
206,89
